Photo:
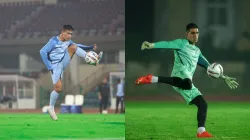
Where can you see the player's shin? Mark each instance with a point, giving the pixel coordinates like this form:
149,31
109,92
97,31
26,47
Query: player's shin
80,52
53,98
202,112
166,80
177,82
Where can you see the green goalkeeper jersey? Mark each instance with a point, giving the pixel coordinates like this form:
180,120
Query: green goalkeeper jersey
187,56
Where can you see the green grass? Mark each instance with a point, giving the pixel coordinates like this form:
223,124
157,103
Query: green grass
177,121
69,126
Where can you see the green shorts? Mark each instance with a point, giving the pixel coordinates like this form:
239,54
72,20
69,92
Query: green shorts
188,95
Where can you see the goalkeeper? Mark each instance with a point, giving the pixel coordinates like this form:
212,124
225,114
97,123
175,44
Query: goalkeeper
187,56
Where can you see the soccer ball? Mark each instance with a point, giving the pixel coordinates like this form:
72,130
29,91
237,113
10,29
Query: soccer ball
91,57
215,70
105,112
45,109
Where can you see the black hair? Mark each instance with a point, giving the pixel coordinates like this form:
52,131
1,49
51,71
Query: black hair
191,26
68,27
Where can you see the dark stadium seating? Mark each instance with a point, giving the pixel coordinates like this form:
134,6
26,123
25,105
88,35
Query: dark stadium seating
89,17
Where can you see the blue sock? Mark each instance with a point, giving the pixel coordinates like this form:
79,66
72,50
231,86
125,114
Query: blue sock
53,98
80,52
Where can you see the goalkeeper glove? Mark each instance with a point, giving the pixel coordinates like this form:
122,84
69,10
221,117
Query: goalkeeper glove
147,45
230,81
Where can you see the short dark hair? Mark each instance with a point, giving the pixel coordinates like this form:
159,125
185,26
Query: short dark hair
191,26
68,27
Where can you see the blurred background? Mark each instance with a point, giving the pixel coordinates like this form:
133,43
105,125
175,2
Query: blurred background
224,29
27,25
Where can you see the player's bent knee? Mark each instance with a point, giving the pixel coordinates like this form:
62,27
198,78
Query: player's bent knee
58,88
72,48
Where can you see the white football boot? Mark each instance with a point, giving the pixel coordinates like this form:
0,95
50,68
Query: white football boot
52,114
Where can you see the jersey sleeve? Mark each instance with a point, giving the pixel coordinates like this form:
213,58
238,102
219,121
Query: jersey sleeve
84,47
174,44
44,52
203,62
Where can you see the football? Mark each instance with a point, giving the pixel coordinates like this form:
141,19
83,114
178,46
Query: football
91,57
105,112
215,70
45,109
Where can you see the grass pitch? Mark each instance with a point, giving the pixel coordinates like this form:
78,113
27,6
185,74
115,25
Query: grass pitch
68,126
177,121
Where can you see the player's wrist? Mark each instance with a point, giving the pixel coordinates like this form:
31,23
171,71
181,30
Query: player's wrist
152,45
223,76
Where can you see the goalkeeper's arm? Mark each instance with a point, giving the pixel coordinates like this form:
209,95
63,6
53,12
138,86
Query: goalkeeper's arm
230,81
175,44
203,62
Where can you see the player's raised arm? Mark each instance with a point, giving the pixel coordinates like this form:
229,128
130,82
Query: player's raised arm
44,52
175,44
84,47
203,62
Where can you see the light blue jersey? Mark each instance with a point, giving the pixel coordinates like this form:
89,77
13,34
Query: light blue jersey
56,57
54,51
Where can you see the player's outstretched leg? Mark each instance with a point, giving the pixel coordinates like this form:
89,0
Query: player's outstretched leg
201,116
185,84
144,79
73,49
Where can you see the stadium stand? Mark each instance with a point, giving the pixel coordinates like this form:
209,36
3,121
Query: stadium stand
36,19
